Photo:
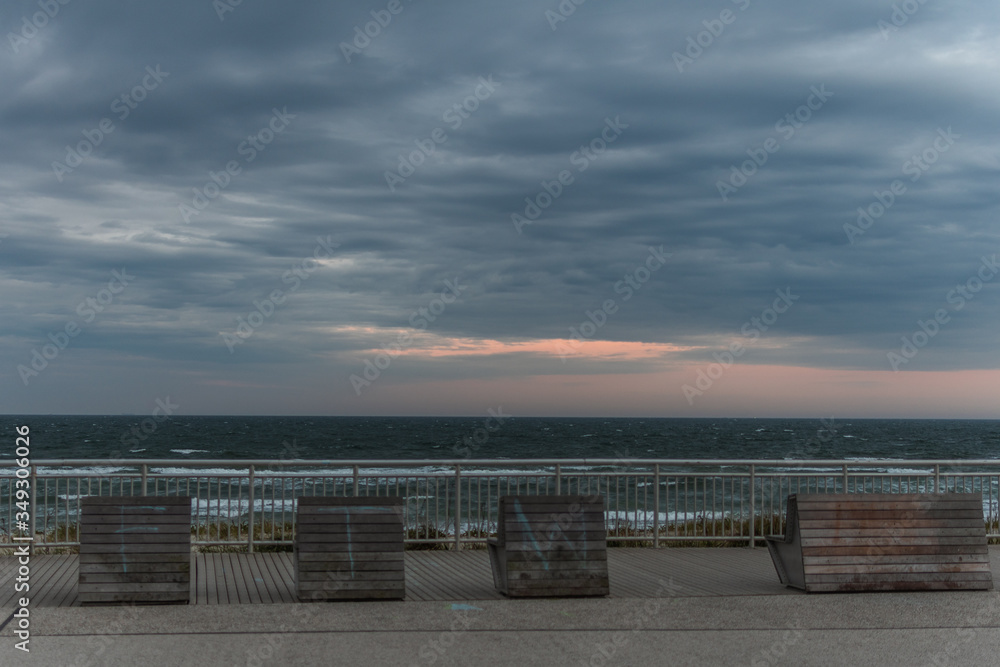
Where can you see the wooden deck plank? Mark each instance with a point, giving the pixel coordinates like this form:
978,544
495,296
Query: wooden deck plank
212,582
427,577
281,571
194,579
64,588
58,576
8,571
232,578
458,572
279,586
68,595
239,566
261,590
672,562
467,572
443,576
255,582
225,572
44,573
630,575
650,568
751,573
415,583
286,567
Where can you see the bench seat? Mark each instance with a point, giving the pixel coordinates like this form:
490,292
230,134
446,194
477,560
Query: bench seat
883,542
349,549
550,546
135,549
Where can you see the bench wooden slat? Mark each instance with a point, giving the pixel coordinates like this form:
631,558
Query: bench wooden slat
856,577
901,540
345,575
124,588
894,505
159,577
543,529
852,542
306,556
886,568
133,558
878,532
892,551
134,548
572,566
887,586
874,515
130,597
334,566
353,532
151,527
911,558
554,555
108,521
888,523
884,497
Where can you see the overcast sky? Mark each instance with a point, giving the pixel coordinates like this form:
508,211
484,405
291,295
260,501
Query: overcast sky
616,208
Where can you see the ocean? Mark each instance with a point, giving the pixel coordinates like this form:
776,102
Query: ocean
506,437
429,488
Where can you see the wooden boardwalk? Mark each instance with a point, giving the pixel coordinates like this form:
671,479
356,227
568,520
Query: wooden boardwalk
268,578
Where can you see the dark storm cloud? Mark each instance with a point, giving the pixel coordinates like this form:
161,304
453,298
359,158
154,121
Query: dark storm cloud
695,89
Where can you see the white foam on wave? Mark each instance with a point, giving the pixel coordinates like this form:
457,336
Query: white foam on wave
85,471
200,472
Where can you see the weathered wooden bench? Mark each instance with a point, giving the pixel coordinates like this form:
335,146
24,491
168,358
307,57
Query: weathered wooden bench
349,549
550,546
135,549
883,542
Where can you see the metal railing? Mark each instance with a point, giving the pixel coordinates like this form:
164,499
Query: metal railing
251,503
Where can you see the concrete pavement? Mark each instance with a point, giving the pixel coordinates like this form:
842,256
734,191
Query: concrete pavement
961,628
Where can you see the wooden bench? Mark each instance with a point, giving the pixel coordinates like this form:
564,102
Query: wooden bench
135,549
349,549
550,546
883,542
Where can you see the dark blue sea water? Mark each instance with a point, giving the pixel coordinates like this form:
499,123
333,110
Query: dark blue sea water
201,437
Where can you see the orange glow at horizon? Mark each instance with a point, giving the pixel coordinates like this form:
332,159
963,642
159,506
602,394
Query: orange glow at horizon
743,391
656,387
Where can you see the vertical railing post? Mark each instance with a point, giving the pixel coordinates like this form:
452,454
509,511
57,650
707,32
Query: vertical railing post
846,478
656,505
937,478
458,507
145,477
559,480
250,516
34,508
356,472
753,502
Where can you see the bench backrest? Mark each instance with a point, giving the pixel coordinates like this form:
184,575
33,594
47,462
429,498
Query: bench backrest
135,549
349,548
875,541
554,544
